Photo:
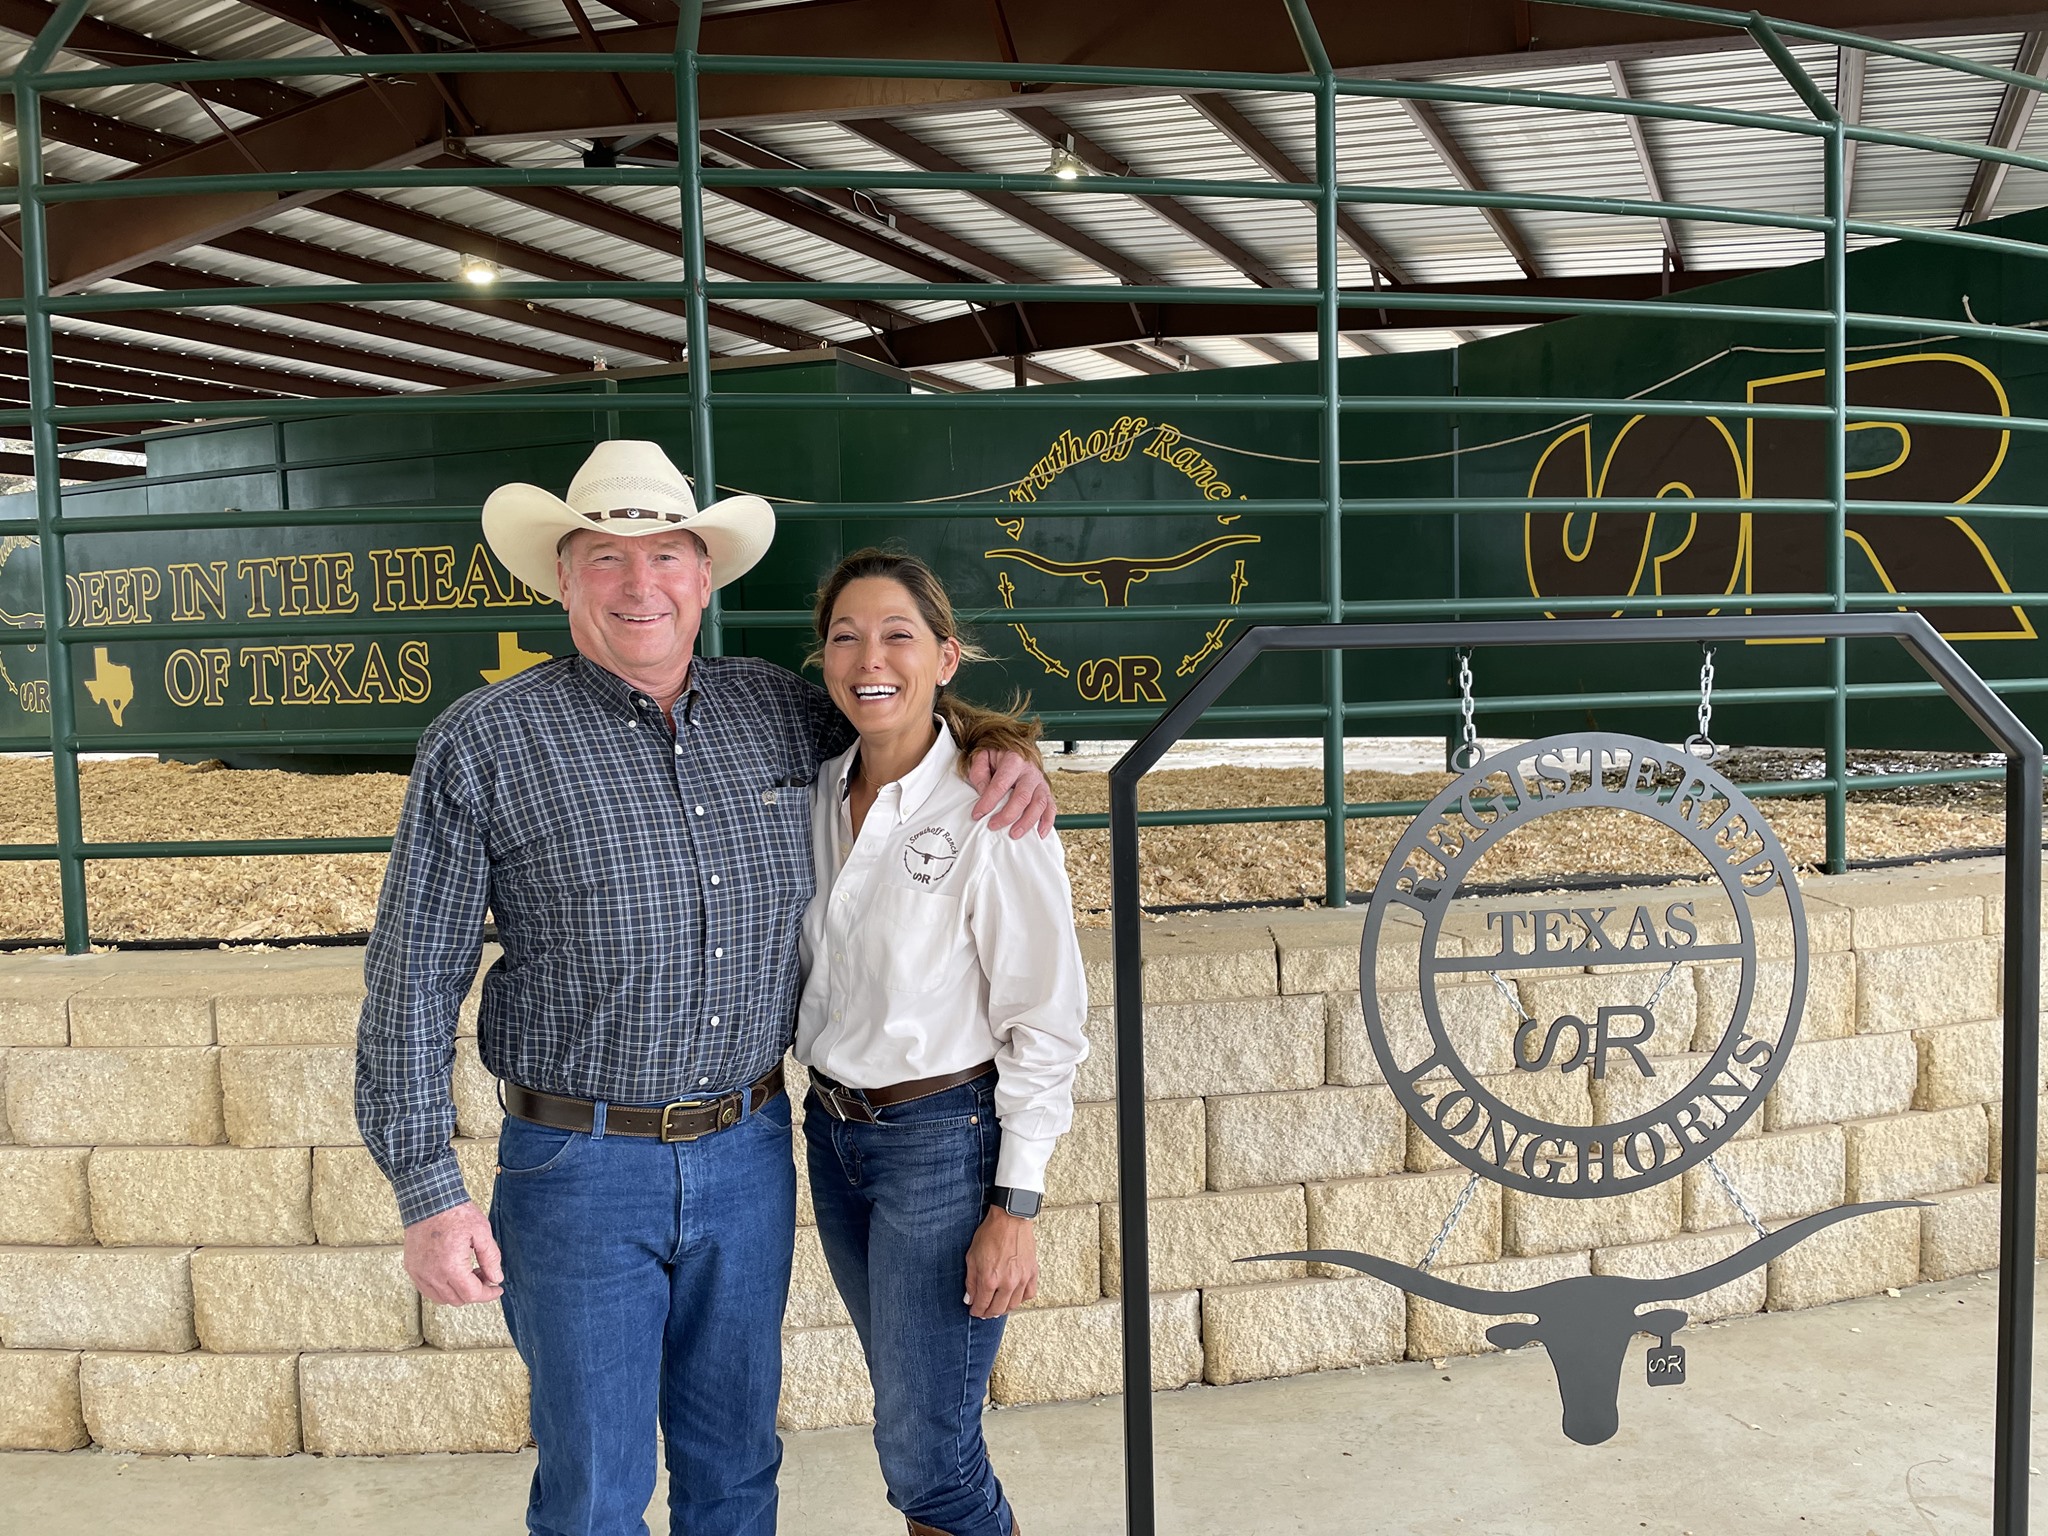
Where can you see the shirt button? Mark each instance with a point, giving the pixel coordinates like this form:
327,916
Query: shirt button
703,1081
719,953
839,957
714,879
698,809
714,1021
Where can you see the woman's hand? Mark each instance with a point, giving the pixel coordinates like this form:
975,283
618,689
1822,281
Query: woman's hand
1002,1264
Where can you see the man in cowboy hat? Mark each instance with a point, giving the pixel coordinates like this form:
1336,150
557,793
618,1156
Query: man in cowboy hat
637,820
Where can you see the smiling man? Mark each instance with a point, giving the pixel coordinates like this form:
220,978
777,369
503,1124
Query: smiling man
637,820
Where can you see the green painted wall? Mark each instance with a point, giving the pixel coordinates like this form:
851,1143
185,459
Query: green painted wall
1004,468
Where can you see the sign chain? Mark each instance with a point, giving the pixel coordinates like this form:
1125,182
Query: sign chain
1444,1233
1701,742
1662,982
1735,1195
1467,752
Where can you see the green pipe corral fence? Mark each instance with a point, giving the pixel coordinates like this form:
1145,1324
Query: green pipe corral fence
704,401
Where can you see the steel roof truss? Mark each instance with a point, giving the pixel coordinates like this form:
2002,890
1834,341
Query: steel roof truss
2008,128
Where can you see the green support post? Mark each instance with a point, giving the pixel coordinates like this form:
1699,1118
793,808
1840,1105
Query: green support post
690,177
42,385
1837,276
1329,291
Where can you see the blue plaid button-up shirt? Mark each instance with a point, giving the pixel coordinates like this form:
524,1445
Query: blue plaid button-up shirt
648,888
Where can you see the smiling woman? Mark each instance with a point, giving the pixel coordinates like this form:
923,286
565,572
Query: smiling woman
941,1021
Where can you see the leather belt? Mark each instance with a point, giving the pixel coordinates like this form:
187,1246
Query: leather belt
684,1120
860,1104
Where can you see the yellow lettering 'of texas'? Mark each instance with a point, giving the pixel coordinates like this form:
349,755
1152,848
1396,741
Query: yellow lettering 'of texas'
511,659
111,684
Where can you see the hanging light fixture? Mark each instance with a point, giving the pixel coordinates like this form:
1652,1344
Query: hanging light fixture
475,269
1065,164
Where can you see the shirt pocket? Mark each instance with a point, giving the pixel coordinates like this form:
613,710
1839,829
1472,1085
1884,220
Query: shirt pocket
914,941
780,814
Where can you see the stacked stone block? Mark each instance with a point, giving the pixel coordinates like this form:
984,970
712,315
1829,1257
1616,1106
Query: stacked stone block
198,1256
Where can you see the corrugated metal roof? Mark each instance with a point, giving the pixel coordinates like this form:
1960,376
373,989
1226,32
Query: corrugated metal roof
1513,148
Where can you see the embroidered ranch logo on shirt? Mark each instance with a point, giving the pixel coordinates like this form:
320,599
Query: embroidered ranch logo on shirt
928,856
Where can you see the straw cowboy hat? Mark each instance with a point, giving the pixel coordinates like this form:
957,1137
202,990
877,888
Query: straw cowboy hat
626,488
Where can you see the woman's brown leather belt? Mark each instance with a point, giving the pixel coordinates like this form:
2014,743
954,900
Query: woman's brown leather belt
860,1104
684,1120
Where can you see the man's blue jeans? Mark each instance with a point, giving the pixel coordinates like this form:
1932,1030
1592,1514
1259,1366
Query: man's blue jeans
898,1203
645,1281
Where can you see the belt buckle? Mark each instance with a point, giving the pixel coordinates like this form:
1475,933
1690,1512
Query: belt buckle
841,1100
728,1114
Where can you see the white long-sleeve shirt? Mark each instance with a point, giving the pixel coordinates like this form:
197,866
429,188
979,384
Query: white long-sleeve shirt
933,944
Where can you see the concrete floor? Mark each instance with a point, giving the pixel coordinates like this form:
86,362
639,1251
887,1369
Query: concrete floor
1865,1419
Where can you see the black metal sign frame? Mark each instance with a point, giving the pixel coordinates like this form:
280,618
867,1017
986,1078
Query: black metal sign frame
2022,970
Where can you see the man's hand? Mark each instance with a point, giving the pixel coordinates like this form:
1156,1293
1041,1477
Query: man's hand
1002,1264
1019,786
453,1259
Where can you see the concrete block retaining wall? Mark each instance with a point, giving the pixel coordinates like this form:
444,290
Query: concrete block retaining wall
197,1255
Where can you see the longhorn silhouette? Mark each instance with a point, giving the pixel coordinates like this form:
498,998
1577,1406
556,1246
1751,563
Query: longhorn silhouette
1585,1322
1117,574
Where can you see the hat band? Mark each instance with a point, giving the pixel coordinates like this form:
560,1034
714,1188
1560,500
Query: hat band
633,515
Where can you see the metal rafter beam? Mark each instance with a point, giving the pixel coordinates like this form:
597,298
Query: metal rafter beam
1268,347
14,394
360,28
594,213
461,23
1653,178
914,151
1048,126
304,257
371,322
803,213
1281,166
14,365
649,13
1184,359
1057,326
977,263
298,349
88,241
1849,70
176,369
108,44
1138,358
1430,123
126,141
2008,128
72,468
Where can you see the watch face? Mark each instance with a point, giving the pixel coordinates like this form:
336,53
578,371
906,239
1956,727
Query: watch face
1021,1202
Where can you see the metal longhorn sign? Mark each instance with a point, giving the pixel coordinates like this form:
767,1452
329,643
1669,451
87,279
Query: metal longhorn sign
1496,1117
1677,1058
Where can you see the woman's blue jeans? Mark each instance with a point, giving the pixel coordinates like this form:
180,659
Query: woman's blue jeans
645,1282
898,1203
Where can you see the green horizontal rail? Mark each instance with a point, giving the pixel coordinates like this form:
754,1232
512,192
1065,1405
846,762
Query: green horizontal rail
853,511
1323,198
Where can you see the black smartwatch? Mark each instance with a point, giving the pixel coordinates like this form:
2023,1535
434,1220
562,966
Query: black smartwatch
1016,1202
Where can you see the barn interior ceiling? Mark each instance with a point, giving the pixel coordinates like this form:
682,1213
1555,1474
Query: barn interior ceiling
155,359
